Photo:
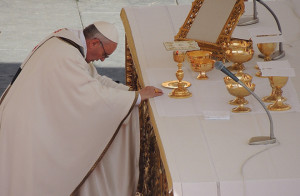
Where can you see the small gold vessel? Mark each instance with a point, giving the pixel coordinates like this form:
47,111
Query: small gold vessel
239,91
238,51
246,78
267,49
277,82
201,62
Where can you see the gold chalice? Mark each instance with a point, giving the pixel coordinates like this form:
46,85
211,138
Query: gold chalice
201,62
245,78
239,92
277,82
267,50
181,91
238,51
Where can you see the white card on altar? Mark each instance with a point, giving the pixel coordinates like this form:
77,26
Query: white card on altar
286,72
261,31
274,64
276,68
265,35
181,45
216,115
267,39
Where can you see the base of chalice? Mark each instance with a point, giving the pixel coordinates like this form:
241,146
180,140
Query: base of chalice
273,97
279,106
180,92
241,109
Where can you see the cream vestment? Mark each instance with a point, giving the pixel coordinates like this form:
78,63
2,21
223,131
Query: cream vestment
65,130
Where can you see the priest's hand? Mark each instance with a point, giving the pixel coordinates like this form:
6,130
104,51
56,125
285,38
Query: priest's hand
149,92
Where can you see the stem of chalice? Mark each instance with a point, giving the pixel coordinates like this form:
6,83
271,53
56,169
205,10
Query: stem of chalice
278,82
181,91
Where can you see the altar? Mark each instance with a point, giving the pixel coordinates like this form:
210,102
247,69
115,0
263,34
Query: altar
197,146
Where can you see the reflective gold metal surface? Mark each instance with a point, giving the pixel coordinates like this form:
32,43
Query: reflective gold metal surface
277,82
181,91
267,49
174,84
225,34
201,62
239,91
238,51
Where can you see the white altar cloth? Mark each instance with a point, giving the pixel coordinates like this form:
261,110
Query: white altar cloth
212,157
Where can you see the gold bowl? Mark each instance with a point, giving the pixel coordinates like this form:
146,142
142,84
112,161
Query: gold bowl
240,93
201,62
199,54
238,51
267,50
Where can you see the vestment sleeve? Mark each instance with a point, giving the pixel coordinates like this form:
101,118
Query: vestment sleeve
110,83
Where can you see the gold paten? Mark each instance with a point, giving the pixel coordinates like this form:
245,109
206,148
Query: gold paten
239,91
201,62
277,82
267,49
174,84
233,17
181,91
238,51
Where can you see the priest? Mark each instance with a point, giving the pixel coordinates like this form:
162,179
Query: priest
65,129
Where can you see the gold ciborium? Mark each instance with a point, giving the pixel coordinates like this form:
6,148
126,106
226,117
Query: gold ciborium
201,62
277,82
238,51
267,50
181,91
240,93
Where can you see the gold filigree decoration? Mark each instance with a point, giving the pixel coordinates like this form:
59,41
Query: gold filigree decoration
225,34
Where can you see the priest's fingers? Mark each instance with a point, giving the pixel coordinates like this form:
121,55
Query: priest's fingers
149,92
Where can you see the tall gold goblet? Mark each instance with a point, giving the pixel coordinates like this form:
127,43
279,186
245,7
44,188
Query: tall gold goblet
277,82
240,92
181,91
267,49
201,62
238,51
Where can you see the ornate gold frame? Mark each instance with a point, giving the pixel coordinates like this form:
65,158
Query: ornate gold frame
224,35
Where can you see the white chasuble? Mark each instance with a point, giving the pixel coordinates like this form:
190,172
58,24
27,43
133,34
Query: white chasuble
65,130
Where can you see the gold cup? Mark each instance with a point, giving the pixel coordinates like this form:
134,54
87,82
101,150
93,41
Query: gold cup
267,49
181,91
238,51
245,78
277,82
239,91
201,62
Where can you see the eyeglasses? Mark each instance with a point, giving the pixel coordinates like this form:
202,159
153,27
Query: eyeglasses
105,55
